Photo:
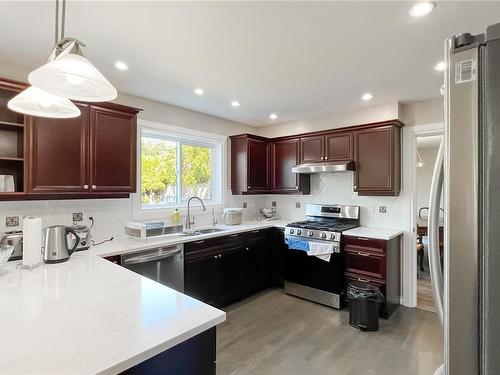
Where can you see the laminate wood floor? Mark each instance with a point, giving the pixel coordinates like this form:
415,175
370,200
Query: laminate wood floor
425,297
272,333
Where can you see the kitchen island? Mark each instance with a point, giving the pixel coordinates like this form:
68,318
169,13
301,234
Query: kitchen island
90,316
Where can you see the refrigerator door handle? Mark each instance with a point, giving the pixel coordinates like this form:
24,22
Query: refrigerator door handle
433,224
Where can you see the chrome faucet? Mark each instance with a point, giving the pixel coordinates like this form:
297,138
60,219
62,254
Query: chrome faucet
188,218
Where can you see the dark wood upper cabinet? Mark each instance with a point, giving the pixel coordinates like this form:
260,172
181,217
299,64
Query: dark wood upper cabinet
332,146
58,153
375,148
378,160
90,156
338,146
113,135
284,156
249,164
312,149
258,163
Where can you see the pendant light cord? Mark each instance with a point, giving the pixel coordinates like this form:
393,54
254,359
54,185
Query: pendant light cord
58,37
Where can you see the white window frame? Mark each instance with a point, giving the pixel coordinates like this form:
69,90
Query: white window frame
187,137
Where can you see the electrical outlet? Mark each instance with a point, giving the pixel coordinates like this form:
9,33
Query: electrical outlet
245,205
12,221
297,204
77,216
273,204
382,209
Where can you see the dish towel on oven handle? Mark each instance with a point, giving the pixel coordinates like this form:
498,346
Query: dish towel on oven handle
320,250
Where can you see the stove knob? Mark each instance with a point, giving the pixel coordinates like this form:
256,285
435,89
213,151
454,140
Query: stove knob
310,233
323,235
299,232
332,236
291,231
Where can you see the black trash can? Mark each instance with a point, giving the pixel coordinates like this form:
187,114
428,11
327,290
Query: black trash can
364,302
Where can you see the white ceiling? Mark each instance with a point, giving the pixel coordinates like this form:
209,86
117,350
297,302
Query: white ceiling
297,59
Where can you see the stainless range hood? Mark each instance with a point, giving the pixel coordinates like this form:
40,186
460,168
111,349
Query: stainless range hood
327,167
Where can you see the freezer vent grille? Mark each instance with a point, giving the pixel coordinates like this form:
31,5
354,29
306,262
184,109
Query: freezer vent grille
465,71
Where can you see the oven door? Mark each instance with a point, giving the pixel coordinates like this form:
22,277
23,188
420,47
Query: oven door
312,272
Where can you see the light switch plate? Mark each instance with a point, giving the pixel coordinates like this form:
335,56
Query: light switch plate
12,221
77,216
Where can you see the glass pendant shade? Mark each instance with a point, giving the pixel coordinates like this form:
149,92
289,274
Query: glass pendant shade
36,102
73,76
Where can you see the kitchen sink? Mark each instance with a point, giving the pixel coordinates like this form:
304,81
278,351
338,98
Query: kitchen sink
203,231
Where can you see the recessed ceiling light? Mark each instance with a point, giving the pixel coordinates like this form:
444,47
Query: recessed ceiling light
367,96
422,8
273,116
235,103
120,65
440,66
199,91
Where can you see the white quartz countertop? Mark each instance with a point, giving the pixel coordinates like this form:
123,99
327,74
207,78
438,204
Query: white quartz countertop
90,316
374,232
125,245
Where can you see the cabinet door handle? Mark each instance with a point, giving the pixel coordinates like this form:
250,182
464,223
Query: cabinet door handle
215,256
199,242
326,157
94,187
85,187
363,254
234,235
363,280
255,231
363,239
247,248
248,187
355,187
296,188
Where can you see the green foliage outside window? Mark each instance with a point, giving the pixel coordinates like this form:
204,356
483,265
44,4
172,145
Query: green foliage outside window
159,171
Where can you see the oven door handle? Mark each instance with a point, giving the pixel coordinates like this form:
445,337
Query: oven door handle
153,257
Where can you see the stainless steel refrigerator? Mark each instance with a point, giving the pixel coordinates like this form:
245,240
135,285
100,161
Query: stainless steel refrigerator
467,292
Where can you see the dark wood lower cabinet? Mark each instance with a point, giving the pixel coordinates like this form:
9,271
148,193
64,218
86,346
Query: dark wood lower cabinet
376,262
195,356
223,270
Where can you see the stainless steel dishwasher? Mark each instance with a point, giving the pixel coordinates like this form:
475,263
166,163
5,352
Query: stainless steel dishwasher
163,264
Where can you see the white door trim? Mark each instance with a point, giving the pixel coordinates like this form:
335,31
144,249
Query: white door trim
410,134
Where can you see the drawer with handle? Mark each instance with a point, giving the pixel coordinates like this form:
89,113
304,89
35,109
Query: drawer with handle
351,276
363,244
371,264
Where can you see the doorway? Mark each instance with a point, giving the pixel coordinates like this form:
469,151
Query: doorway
426,152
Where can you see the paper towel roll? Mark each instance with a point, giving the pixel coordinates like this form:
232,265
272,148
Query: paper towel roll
32,241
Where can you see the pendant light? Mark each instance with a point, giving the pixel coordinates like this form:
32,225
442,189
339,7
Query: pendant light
68,73
36,102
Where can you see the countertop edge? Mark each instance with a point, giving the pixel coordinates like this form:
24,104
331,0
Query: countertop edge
160,348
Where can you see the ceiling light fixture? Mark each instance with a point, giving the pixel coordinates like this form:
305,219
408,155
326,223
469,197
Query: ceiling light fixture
367,96
440,66
120,65
235,103
66,75
199,91
422,8
273,116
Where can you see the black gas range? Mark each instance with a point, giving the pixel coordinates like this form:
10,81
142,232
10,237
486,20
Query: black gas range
308,276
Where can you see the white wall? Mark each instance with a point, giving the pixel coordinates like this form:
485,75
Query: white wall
358,116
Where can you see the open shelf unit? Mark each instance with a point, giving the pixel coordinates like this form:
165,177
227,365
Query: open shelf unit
11,137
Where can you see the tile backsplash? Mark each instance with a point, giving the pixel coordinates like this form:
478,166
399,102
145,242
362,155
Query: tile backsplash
336,188
111,214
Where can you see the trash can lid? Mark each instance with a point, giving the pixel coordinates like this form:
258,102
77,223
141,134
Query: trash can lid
363,287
